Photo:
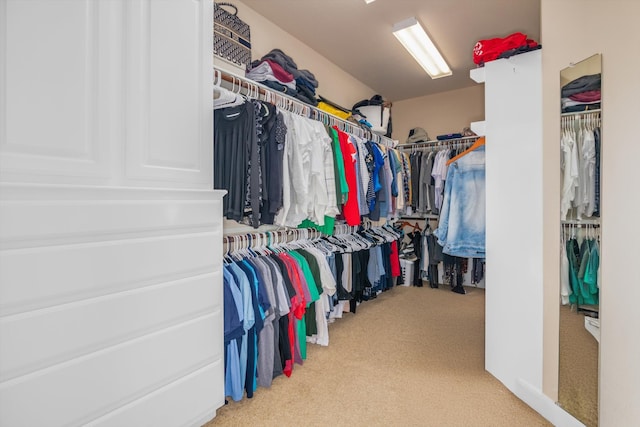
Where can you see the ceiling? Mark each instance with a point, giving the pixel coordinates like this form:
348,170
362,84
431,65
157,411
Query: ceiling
358,38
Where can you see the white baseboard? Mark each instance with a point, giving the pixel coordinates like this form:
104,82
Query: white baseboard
544,405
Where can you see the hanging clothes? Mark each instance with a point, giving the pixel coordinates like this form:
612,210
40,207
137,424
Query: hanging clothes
580,166
282,168
583,264
272,140
478,270
351,210
416,241
454,269
570,174
278,299
234,135
436,256
461,229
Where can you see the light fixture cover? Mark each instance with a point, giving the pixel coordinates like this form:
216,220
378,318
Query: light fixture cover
414,38
369,1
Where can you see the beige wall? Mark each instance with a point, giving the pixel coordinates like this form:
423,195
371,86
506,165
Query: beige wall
334,83
441,113
571,31
446,112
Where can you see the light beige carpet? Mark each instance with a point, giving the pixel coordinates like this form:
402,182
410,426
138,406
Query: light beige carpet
578,380
411,357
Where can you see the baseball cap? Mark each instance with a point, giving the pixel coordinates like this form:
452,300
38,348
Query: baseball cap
417,135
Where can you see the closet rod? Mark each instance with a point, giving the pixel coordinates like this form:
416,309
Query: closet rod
587,222
420,217
318,114
580,113
248,239
437,142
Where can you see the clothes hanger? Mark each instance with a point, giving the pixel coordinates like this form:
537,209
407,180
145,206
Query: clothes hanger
226,97
278,245
241,247
415,227
242,250
264,241
272,241
257,246
227,258
249,243
479,143
253,243
235,255
275,242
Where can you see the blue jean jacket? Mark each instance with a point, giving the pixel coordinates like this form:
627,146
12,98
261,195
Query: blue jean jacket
461,230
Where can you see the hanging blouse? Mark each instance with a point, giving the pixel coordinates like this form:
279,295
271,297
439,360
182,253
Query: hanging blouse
569,164
234,135
565,285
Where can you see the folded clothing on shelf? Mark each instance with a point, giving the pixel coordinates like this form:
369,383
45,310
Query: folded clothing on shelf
278,67
582,94
492,49
449,136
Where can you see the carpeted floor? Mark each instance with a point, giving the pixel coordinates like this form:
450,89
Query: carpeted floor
578,380
411,357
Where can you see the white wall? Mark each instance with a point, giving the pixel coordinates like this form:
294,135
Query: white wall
110,232
571,31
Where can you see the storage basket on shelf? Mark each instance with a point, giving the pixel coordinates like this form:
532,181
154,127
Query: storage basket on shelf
231,35
377,112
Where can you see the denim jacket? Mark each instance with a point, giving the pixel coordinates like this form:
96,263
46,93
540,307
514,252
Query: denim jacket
461,230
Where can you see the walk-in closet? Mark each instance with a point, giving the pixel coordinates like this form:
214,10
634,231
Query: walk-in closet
279,213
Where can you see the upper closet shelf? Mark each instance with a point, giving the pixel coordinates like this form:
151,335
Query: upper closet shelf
438,142
479,128
253,89
477,74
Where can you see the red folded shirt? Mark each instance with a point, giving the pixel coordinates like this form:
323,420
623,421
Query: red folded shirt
279,72
587,96
490,49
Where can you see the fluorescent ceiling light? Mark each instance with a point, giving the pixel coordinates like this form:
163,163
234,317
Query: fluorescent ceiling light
369,1
413,37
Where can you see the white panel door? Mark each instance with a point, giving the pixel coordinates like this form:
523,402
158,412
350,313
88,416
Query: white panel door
110,294
54,91
169,118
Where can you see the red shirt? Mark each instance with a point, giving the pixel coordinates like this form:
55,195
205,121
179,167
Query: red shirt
298,308
350,210
395,260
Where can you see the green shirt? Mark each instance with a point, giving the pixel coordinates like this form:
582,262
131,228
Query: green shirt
315,296
342,188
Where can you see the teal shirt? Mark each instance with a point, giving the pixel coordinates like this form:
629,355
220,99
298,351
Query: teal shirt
578,270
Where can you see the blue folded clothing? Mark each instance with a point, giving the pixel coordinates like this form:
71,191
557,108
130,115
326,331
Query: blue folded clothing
449,136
